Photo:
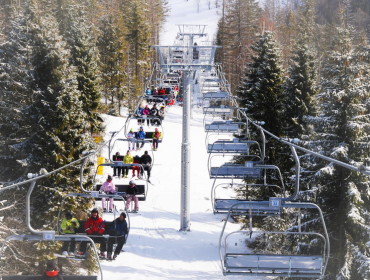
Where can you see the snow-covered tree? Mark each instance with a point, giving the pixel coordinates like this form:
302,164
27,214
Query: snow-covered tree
300,90
261,91
342,132
59,123
74,26
15,97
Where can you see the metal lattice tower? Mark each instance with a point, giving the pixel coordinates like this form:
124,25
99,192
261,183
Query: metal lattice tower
187,57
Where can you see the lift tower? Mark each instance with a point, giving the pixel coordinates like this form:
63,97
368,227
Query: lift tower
187,57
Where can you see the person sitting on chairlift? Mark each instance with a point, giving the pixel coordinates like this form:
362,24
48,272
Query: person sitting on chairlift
69,225
94,227
108,187
127,159
146,161
131,140
131,195
156,136
140,138
52,271
117,235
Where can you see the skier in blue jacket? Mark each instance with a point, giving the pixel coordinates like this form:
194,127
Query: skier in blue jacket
140,138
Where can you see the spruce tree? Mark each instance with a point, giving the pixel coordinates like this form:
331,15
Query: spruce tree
60,130
342,132
15,97
77,32
300,91
261,91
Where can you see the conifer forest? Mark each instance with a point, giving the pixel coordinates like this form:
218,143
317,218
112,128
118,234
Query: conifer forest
301,66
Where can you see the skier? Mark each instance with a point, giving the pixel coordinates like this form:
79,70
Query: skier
146,162
140,138
108,187
118,235
95,227
131,195
69,226
131,138
127,159
156,136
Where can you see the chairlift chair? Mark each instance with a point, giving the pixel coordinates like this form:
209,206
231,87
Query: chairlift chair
97,196
234,146
238,259
111,148
121,191
253,207
50,237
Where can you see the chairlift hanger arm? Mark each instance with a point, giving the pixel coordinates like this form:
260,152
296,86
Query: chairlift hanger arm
362,169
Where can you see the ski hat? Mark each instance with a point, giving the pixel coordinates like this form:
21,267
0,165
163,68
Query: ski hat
146,152
68,215
123,214
132,182
156,129
141,127
95,210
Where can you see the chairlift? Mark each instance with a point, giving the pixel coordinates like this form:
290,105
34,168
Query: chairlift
223,127
121,188
111,148
120,195
221,205
30,240
132,121
234,146
46,236
239,257
222,110
249,169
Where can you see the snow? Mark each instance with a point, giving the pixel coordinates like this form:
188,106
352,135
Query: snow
156,249
186,12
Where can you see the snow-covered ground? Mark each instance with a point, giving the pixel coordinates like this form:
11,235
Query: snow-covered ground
156,249
192,12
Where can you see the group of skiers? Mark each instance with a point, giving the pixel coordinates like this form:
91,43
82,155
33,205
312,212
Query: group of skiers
108,187
153,115
95,227
141,163
138,139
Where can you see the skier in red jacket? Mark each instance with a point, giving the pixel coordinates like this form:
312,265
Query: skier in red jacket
95,227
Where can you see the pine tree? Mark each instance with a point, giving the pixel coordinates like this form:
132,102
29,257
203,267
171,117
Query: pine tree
74,26
342,133
138,39
261,91
300,91
113,60
237,30
58,121
15,79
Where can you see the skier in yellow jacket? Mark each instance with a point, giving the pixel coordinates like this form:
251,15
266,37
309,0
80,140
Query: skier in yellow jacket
69,225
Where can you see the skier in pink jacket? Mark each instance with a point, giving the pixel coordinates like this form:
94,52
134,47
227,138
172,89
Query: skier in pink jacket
108,187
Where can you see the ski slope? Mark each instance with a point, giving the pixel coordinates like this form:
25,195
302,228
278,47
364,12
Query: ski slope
156,249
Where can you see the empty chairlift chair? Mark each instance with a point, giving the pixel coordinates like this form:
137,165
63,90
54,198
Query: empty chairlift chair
297,252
